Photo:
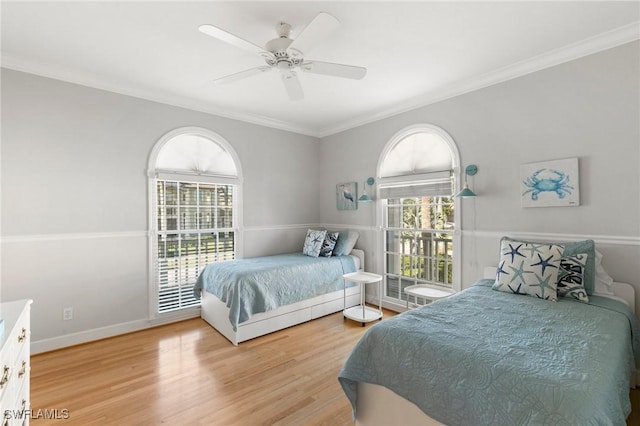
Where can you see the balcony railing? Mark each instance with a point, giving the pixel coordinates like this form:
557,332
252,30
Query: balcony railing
418,257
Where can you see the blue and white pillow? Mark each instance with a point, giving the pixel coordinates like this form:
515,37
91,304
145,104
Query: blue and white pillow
572,276
571,248
313,242
529,268
329,243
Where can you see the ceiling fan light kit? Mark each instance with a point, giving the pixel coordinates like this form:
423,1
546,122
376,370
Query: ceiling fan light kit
286,54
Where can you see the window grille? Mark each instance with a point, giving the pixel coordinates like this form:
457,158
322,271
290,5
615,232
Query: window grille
418,233
195,226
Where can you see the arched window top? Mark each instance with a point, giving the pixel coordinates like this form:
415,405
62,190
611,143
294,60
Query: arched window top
194,151
417,150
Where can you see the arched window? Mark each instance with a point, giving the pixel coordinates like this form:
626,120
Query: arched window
194,186
416,186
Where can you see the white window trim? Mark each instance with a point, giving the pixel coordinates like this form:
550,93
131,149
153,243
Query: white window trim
380,207
153,174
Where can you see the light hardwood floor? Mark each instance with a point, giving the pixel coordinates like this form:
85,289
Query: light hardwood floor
188,374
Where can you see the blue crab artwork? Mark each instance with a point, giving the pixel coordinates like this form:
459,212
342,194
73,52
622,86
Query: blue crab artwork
547,180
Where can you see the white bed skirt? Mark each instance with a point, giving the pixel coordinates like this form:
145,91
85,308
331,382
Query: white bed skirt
379,406
216,313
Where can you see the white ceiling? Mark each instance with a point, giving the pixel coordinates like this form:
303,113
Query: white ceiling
415,52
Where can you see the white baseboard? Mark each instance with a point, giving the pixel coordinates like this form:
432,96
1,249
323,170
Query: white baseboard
386,304
59,342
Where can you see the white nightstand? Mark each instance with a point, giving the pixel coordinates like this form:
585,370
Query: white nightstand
361,312
426,292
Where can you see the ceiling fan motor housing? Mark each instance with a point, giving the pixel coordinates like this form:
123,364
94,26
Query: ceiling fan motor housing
283,59
278,45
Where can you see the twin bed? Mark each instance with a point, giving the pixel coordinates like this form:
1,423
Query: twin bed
247,298
483,357
486,356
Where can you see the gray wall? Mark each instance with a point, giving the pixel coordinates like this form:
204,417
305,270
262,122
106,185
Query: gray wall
587,108
74,199
74,189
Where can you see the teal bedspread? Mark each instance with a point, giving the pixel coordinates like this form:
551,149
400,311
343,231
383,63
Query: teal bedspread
260,284
483,357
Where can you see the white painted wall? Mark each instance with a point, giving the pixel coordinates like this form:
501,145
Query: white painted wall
74,212
74,199
587,108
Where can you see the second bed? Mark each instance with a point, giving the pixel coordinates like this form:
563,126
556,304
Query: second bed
247,298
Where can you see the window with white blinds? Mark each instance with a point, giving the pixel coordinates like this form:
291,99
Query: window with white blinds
195,216
195,226
416,187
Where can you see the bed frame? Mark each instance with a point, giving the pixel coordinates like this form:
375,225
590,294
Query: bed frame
216,313
377,405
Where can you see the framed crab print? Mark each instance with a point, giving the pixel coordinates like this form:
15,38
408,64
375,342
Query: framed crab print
553,183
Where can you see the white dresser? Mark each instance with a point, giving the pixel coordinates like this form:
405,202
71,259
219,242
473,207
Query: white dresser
14,362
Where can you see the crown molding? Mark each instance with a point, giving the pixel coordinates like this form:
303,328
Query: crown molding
586,47
589,46
87,80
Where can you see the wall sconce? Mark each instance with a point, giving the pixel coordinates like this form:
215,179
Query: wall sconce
471,170
364,198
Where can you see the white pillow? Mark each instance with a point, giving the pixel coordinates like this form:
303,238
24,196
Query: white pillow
602,280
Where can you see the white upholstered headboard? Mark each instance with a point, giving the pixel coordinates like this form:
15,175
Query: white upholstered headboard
360,255
622,292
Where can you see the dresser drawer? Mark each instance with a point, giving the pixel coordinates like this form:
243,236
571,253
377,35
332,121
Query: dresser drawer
15,364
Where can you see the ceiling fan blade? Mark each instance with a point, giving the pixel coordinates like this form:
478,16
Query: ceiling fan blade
292,85
336,70
232,39
319,28
241,75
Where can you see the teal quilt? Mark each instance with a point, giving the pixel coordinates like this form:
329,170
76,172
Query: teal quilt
260,284
484,357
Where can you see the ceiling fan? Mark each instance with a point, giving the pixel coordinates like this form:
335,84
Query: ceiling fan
287,54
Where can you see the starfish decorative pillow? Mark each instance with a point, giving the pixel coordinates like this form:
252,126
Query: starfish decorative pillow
313,242
529,268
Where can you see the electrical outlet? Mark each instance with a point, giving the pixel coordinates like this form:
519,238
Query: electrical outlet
67,314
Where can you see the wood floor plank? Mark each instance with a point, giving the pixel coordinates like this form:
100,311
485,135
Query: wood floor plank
188,374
